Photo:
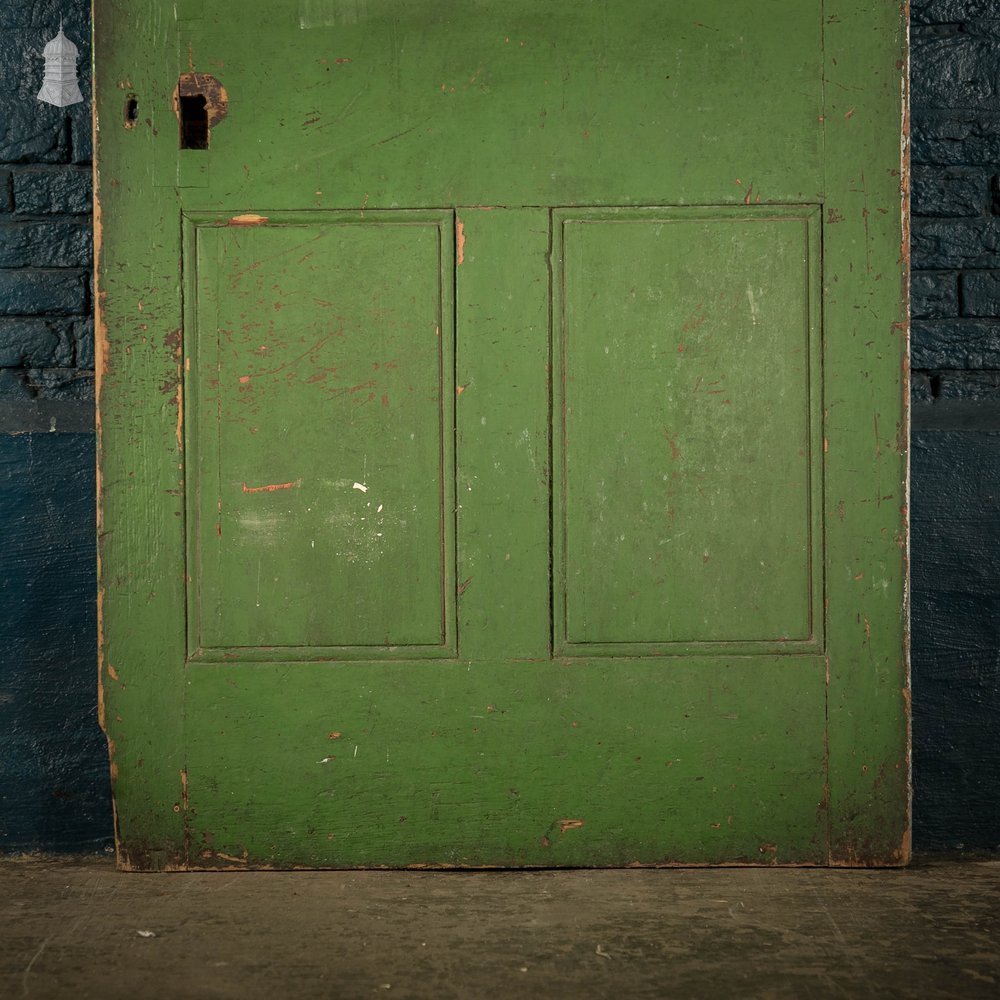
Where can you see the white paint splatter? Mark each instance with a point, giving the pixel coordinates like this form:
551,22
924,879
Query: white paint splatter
361,487
753,305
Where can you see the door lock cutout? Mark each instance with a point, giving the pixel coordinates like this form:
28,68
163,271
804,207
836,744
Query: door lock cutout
200,103
194,122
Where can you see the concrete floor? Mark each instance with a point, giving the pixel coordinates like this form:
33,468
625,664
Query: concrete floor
76,928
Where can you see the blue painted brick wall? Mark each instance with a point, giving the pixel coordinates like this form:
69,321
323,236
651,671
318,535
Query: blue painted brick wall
955,454
53,770
46,333
54,789
53,758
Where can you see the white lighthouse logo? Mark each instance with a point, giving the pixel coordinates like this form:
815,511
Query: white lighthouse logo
60,86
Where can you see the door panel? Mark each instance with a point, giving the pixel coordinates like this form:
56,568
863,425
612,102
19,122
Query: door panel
688,444
502,432
321,363
435,103
491,764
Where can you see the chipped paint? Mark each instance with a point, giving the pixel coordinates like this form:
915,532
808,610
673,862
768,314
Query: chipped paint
272,487
232,859
101,368
179,427
905,852
459,240
202,85
248,219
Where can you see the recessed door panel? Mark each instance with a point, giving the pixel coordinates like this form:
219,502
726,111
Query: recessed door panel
687,430
319,408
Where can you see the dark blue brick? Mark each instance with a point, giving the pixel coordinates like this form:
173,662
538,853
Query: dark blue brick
45,16
942,244
45,244
920,388
956,70
956,343
934,294
953,138
60,383
970,385
37,343
55,190
83,336
957,191
82,131
951,11
981,293
30,138
37,292
14,386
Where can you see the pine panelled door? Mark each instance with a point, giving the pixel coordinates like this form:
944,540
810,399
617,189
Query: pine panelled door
503,432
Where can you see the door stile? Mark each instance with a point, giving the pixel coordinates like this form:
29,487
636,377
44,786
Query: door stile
866,367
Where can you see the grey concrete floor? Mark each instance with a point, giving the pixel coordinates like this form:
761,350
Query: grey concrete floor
76,928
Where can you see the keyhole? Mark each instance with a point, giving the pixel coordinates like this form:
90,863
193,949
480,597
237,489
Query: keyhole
131,111
194,122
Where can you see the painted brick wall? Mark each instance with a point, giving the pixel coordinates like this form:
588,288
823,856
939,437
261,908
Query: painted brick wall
46,329
53,772
955,453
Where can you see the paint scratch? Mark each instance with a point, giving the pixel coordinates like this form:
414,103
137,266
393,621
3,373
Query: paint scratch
459,239
398,135
271,487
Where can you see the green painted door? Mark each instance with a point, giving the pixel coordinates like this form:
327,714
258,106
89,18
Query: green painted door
503,432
